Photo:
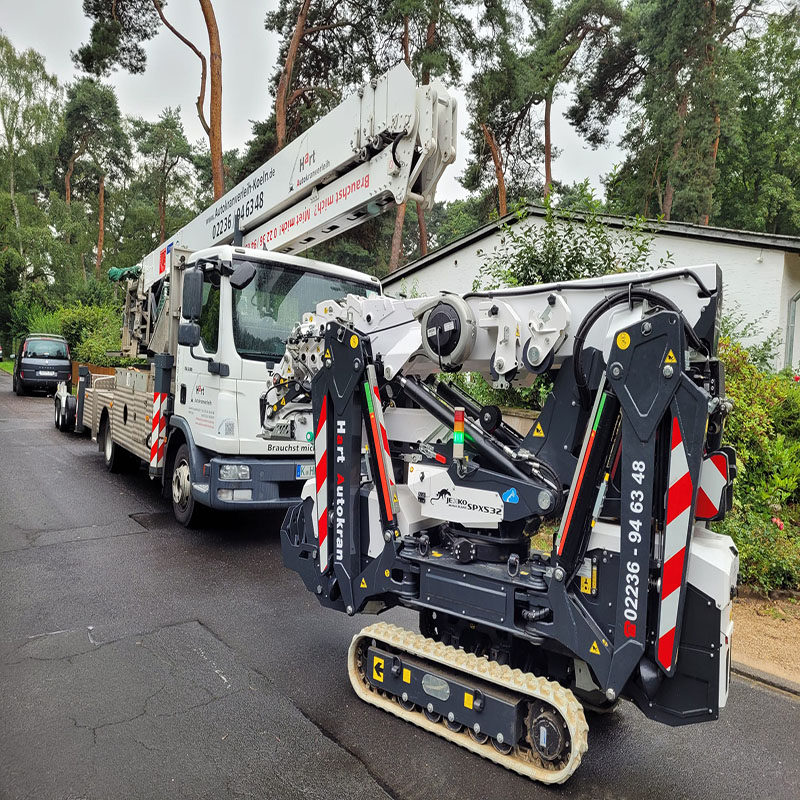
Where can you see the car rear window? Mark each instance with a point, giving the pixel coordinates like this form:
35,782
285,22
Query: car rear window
45,348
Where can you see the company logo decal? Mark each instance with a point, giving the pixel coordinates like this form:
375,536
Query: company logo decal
511,496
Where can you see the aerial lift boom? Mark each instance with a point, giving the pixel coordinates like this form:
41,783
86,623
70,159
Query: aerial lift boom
387,143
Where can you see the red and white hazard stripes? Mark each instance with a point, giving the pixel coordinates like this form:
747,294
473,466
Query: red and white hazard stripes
714,480
321,457
158,433
679,518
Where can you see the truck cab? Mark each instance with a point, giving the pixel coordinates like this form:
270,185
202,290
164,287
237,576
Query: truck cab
242,305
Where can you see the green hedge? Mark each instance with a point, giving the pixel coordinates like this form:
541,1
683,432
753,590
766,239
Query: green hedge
90,330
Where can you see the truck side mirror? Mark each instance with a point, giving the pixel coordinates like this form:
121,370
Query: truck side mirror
243,275
188,334
192,300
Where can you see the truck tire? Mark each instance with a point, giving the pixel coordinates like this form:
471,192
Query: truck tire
57,414
66,409
184,507
114,456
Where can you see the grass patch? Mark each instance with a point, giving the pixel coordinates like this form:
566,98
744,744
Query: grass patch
7,366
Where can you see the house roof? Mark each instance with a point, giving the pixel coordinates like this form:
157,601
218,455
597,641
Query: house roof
769,241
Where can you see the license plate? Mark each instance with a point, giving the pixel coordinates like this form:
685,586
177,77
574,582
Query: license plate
47,373
305,471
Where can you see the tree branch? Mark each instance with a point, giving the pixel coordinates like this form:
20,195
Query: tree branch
298,93
201,98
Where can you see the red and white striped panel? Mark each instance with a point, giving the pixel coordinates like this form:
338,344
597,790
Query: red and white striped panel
321,457
158,430
713,482
679,518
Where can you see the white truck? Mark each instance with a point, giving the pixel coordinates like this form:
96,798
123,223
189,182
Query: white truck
212,306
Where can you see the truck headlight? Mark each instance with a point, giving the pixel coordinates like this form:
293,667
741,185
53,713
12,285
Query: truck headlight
234,472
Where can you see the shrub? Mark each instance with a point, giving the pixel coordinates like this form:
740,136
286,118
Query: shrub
769,558
761,429
568,245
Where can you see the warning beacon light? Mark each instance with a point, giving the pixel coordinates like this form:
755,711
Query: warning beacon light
458,433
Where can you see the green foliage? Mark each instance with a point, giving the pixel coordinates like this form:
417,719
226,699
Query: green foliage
764,427
769,558
90,330
119,27
567,245
768,455
667,69
759,162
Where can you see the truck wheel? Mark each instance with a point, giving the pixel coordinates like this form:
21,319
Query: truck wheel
184,506
57,406
66,410
113,454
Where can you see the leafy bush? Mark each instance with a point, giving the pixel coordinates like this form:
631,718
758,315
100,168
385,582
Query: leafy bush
769,558
764,427
41,320
570,244
762,430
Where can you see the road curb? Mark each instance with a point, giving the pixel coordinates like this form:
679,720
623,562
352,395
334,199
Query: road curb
768,678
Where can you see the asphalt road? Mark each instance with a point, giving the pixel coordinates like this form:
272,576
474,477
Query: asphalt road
140,660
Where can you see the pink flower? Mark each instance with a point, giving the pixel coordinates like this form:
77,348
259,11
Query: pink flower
778,522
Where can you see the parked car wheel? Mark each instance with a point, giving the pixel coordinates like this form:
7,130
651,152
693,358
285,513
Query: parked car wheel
19,388
184,507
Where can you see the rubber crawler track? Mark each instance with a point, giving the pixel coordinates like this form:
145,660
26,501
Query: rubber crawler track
514,679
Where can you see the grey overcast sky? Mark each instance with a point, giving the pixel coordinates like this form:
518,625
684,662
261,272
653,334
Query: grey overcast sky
57,27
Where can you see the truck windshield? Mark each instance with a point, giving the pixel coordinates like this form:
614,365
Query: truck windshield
265,311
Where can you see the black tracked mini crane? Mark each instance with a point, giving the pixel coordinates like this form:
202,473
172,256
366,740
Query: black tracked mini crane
425,498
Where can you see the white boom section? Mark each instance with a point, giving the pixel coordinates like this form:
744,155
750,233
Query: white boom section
387,143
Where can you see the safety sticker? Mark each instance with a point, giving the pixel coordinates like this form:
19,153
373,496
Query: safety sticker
363,583
354,341
328,353
670,359
623,340
467,700
538,430
377,669
594,649
406,675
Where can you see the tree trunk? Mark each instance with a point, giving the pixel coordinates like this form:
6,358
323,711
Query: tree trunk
282,92
710,53
397,238
71,168
12,186
162,218
548,147
669,188
215,110
498,168
704,220
423,230
101,221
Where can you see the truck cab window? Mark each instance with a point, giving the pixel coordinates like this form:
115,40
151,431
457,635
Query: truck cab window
265,311
209,317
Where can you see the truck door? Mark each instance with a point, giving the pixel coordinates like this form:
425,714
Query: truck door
197,389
